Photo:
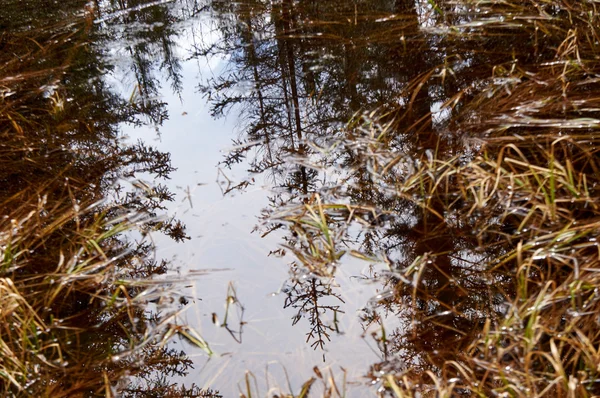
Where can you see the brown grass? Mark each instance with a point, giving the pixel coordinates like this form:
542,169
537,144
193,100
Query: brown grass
509,187
80,312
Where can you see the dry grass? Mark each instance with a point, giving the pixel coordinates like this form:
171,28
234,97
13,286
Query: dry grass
80,312
510,187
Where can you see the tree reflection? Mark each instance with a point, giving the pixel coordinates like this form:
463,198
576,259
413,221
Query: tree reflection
303,294
62,177
298,72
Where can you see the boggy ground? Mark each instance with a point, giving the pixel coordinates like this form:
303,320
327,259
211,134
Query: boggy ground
80,315
474,183
484,207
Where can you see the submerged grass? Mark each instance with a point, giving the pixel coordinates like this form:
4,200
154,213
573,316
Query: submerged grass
79,326
80,312
510,188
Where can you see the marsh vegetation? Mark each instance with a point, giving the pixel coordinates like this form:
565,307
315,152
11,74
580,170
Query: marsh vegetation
81,312
450,146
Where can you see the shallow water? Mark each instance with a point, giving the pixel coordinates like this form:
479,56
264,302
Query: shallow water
281,132
221,228
280,78
225,250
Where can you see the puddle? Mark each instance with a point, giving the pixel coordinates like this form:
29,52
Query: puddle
351,198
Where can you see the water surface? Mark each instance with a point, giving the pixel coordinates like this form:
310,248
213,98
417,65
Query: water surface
284,153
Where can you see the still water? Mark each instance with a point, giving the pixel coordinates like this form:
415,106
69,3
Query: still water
298,165
251,89
226,250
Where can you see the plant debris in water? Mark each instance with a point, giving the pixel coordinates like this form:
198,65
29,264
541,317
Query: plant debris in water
468,169
452,144
80,314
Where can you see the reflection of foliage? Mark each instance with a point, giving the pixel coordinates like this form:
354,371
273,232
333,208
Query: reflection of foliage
81,315
297,72
84,324
161,387
153,382
304,294
480,171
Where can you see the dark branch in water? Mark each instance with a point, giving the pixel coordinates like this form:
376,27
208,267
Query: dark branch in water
304,295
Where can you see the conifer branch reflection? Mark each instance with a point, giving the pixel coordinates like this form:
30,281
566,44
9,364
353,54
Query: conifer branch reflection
307,295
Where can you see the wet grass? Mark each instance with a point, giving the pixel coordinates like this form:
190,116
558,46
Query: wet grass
82,313
499,210
483,215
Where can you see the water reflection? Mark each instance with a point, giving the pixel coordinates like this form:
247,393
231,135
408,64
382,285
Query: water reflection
298,72
88,318
307,296
351,119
